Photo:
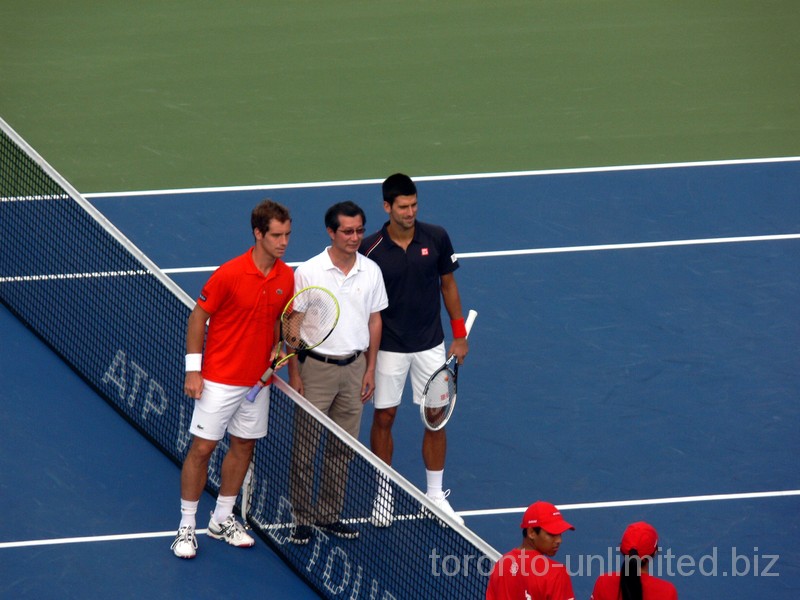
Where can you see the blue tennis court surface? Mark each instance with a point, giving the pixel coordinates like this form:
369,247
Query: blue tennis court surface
636,357
73,468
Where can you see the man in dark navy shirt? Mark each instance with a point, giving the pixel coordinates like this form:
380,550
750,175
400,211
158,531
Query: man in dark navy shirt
418,264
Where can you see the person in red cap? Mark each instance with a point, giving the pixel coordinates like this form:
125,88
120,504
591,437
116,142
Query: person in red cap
639,544
529,571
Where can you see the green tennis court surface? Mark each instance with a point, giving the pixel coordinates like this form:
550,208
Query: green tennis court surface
152,95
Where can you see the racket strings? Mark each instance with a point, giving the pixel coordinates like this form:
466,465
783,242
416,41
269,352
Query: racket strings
438,400
310,318
441,388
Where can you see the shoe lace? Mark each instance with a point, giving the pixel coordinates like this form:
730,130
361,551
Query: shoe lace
232,529
185,534
444,503
441,499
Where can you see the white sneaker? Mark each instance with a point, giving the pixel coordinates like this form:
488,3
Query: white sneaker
231,531
383,507
441,502
185,544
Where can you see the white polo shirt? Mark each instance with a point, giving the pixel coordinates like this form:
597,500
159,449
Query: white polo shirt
360,293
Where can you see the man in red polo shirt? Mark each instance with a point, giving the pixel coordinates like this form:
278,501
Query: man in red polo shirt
242,303
528,571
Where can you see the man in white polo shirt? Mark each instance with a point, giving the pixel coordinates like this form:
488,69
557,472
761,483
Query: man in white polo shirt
338,376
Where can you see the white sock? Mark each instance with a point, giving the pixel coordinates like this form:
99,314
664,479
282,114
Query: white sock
434,483
224,508
189,513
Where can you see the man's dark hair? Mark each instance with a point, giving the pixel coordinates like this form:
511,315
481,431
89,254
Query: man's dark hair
537,530
398,185
347,209
265,212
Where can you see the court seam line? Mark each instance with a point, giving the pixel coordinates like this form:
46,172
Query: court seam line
463,513
566,249
501,174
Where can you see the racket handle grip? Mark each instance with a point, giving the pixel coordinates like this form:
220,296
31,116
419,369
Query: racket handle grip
251,395
471,316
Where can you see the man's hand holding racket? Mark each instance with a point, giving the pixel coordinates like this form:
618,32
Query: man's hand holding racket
439,395
307,320
459,349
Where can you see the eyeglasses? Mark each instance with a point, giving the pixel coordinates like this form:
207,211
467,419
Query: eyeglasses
351,231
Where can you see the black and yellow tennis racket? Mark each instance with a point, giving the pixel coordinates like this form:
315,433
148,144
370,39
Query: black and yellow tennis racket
309,318
439,395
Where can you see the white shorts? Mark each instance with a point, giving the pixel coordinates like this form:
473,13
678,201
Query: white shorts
393,368
224,407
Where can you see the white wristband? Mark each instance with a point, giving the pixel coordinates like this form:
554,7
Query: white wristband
194,362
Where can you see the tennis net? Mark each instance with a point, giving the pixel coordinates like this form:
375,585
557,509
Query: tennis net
119,322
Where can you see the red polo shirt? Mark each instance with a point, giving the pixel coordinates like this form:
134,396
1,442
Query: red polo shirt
244,305
528,574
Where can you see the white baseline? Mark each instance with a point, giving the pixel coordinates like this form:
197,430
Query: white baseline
534,173
463,513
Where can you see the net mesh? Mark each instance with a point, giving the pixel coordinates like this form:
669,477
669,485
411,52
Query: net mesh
119,322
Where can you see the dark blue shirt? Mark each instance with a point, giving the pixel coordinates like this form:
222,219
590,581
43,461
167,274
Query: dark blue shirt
412,322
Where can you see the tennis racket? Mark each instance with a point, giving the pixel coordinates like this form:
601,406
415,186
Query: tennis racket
308,319
439,395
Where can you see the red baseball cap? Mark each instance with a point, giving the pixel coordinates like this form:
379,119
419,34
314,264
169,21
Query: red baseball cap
547,516
639,536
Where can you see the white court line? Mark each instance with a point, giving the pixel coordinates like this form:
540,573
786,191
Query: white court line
243,188
492,254
95,538
63,276
463,513
154,534
645,502
594,248
635,245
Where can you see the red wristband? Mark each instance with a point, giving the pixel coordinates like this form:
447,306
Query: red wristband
459,329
